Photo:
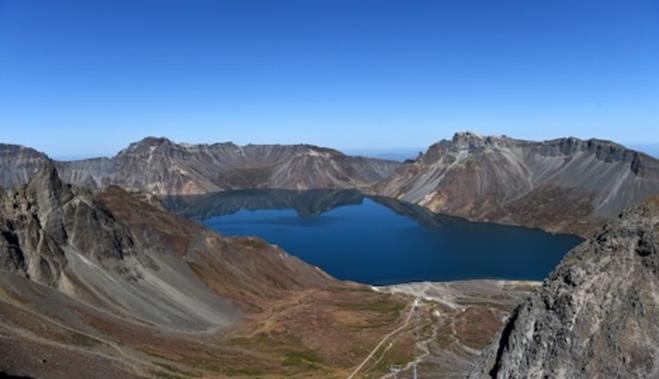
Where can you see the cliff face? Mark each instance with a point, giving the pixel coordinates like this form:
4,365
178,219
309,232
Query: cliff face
564,185
163,167
131,259
18,164
160,166
596,316
44,218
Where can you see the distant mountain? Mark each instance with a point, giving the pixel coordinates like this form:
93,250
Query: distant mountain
563,185
597,316
160,166
18,164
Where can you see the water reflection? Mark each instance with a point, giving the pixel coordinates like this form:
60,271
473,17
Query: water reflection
377,240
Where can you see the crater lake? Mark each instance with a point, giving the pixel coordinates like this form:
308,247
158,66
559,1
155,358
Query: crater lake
377,240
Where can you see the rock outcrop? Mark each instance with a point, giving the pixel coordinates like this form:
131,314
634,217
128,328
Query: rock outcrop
160,166
563,185
596,316
129,258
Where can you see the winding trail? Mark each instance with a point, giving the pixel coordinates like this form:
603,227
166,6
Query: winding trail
385,338
421,345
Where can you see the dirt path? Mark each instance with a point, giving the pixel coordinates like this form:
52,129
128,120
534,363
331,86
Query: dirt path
385,338
423,347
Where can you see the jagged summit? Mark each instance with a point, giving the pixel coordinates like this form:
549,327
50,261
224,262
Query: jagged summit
148,144
46,177
567,145
46,187
150,140
155,142
476,142
468,136
45,217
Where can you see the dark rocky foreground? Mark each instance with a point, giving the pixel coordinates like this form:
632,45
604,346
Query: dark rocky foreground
597,316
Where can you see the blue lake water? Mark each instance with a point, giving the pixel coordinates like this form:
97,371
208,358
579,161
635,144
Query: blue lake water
381,241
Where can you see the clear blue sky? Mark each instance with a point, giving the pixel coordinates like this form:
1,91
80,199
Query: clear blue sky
87,77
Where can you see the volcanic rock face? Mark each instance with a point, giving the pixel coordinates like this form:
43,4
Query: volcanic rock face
564,185
596,316
44,218
18,164
135,260
160,166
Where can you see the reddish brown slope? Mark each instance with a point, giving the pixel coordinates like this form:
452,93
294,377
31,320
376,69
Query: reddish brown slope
125,289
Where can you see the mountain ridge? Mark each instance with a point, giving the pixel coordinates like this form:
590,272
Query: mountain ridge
561,185
161,166
564,185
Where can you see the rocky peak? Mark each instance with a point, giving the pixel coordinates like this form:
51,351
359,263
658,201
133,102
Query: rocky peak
604,150
316,151
47,176
155,141
147,146
474,142
468,140
213,147
597,315
45,217
47,188
466,136
462,141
